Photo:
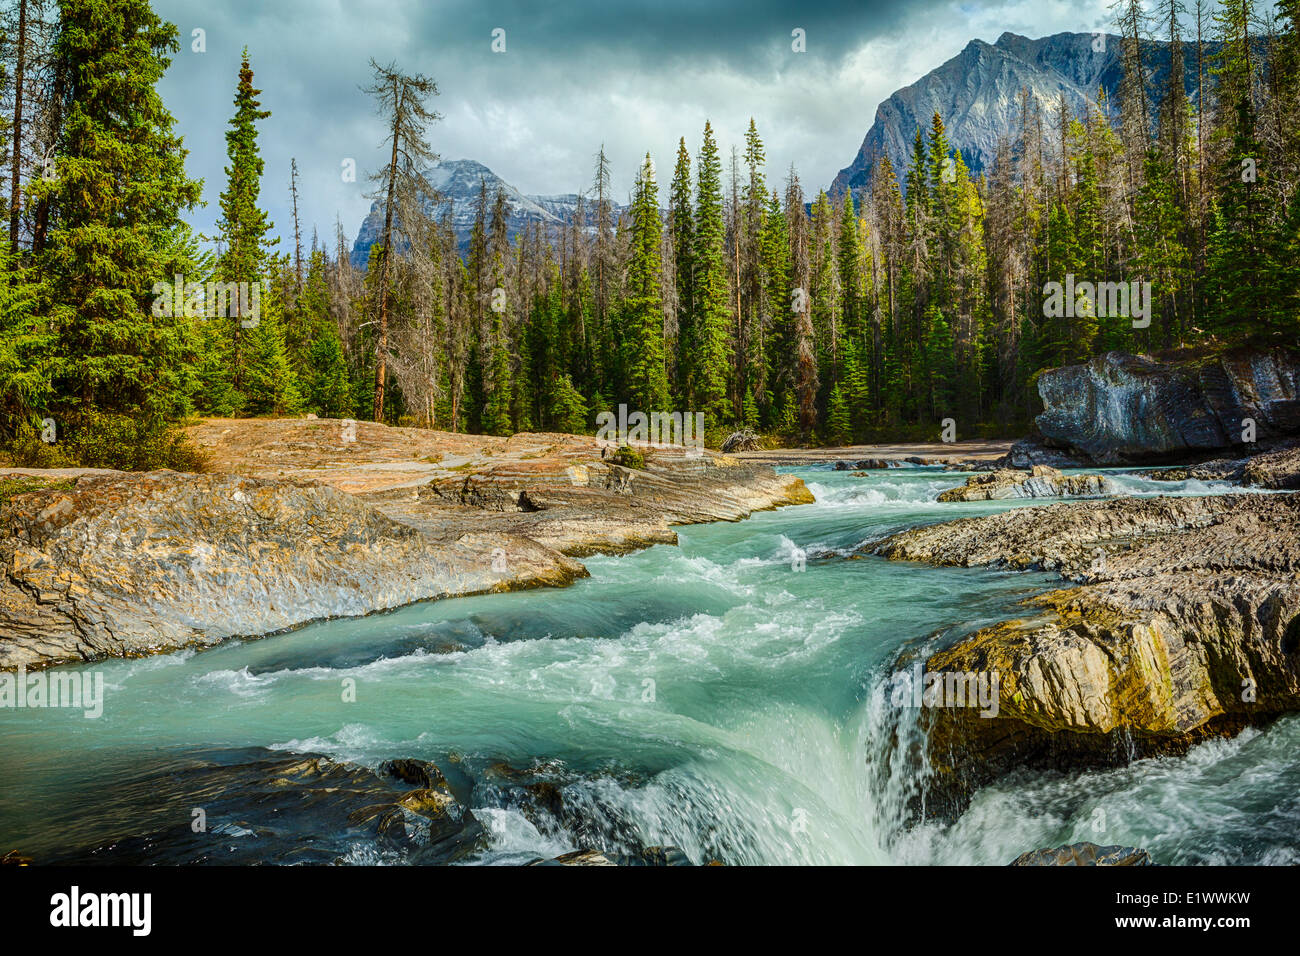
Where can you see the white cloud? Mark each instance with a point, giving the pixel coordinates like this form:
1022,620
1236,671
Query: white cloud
537,114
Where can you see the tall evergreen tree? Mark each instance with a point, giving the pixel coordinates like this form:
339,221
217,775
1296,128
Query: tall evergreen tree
121,361
711,294
644,366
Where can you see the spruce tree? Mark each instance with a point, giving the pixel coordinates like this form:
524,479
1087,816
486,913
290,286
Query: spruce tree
646,378
681,230
243,227
121,357
568,408
839,430
711,295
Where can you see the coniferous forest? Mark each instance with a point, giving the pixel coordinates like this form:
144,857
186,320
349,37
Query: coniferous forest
723,286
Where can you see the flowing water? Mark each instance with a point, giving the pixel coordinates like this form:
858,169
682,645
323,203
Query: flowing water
708,696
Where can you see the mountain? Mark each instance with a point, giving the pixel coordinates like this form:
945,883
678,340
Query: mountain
457,181
977,93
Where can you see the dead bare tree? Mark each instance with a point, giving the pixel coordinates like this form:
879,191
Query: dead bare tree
401,100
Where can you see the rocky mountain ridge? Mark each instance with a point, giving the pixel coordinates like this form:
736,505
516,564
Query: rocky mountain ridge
977,93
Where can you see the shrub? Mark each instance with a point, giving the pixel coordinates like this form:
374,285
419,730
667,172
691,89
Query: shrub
27,450
101,440
628,457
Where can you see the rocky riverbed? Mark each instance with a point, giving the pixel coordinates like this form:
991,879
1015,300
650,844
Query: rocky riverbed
1182,622
296,524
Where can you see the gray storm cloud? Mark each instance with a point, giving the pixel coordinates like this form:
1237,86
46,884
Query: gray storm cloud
573,76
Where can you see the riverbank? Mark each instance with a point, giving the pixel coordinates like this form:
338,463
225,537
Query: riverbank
302,520
1182,622
929,453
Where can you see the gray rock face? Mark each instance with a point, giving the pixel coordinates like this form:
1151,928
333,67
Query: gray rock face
977,93
1130,409
1085,854
130,564
1028,452
1039,482
1185,624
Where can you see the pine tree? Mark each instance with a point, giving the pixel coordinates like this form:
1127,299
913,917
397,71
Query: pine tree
496,411
755,319
121,363
646,376
711,295
681,231
775,241
568,409
270,378
941,369
25,349
838,428
243,226
850,270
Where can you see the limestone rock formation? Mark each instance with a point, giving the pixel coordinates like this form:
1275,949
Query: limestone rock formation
1277,470
1039,482
308,519
1131,409
130,564
1184,623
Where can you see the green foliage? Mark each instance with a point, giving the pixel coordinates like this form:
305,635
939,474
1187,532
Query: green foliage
645,373
102,440
114,205
29,450
243,225
710,293
568,410
628,457
921,302
838,428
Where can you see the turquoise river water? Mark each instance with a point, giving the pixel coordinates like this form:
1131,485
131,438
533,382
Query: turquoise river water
707,696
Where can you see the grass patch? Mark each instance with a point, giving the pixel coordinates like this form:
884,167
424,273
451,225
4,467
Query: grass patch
22,484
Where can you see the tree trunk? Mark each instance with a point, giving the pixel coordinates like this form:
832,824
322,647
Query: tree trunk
382,347
15,192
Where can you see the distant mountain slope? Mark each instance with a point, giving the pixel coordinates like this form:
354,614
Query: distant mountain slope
458,182
977,93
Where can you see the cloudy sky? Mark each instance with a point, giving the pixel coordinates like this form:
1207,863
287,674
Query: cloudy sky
634,76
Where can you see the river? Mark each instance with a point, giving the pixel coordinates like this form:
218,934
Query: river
712,696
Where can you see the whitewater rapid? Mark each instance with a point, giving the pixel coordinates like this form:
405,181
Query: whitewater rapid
720,696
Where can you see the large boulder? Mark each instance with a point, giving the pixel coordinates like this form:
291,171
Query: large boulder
1183,624
1132,409
1039,482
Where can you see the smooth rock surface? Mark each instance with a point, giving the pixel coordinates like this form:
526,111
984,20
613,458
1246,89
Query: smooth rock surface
130,564
1131,409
